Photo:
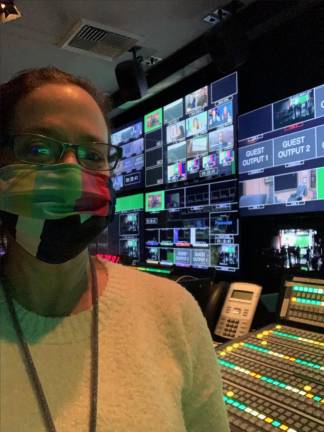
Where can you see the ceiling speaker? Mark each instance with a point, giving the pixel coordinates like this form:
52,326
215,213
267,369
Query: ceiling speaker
228,45
131,80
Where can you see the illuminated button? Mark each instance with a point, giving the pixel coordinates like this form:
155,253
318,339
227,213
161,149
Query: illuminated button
261,416
230,394
291,430
264,343
222,353
278,326
268,420
307,388
283,427
310,396
276,423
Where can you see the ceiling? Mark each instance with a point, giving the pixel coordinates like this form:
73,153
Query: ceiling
165,26
168,29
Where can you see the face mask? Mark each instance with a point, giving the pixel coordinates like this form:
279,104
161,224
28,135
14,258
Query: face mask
55,211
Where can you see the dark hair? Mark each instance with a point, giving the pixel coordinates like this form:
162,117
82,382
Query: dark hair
28,80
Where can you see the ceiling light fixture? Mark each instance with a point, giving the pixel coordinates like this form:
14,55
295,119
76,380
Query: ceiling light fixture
8,11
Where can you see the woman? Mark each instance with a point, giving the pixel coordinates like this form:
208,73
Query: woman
151,364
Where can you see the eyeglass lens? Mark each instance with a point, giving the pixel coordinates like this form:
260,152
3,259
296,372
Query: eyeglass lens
36,149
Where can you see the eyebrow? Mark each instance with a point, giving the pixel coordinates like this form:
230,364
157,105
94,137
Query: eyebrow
54,133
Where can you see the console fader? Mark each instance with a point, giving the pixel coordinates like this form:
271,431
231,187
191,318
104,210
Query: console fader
273,379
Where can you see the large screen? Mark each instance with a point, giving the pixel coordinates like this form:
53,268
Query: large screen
192,137
129,173
281,156
193,226
294,248
125,233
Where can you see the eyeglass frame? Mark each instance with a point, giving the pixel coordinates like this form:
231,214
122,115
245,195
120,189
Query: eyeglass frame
9,140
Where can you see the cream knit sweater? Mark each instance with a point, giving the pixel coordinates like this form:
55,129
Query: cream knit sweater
157,366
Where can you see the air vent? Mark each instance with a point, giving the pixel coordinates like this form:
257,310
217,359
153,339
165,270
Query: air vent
99,40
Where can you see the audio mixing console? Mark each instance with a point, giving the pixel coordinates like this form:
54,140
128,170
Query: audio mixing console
273,378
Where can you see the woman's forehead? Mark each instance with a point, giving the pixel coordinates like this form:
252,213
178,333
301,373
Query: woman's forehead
62,105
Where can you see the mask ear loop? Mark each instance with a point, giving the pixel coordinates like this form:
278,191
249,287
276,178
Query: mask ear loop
3,247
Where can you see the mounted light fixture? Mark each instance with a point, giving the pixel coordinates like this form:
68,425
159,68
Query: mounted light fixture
8,11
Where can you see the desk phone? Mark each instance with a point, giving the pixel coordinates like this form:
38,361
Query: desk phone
238,311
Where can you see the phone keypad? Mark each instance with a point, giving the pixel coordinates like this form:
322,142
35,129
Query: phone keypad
230,328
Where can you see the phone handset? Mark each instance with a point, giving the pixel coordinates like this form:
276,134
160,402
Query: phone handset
238,310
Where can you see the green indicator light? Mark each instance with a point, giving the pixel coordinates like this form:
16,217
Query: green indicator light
153,270
276,423
242,406
317,398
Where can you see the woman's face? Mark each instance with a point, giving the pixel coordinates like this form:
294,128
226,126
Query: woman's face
62,111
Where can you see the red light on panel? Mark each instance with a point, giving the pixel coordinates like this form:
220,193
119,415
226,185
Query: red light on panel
293,126
112,258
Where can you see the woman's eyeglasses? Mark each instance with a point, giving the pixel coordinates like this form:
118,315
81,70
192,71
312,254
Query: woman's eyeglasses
39,149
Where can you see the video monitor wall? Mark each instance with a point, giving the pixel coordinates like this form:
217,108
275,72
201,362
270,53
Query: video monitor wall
129,173
281,156
193,226
125,233
192,137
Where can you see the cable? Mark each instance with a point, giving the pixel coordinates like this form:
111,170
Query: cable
186,276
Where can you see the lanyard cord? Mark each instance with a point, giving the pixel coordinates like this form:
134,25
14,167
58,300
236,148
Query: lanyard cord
31,370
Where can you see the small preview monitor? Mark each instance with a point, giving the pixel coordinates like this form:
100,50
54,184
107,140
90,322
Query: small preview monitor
129,223
221,115
175,132
177,172
197,100
153,120
173,111
177,152
197,124
154,201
